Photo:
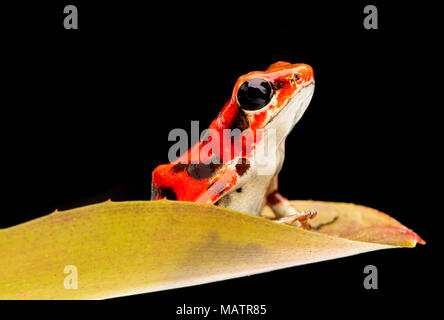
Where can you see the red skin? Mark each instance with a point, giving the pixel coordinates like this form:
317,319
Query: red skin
187,188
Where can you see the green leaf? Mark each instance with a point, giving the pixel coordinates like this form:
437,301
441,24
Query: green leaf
124,248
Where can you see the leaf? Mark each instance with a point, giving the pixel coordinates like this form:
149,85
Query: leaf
124,248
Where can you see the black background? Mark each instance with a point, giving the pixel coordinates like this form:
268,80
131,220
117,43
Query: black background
91,109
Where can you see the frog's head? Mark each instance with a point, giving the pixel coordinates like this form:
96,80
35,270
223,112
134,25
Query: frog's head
275,98
282,92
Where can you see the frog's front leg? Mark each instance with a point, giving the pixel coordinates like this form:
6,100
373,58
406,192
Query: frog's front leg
285,212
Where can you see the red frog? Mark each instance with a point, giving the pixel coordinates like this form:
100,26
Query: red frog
225,168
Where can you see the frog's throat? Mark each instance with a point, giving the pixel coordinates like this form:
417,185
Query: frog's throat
284,121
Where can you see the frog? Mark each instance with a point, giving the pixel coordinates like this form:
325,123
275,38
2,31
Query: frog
264,106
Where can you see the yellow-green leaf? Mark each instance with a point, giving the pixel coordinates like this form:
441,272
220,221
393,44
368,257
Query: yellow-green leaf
124,248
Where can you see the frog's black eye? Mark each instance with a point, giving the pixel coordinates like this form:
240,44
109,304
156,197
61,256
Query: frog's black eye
255,94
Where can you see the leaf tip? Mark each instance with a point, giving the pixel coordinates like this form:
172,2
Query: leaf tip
419,239
414,237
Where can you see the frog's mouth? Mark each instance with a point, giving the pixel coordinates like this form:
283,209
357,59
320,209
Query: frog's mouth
284,121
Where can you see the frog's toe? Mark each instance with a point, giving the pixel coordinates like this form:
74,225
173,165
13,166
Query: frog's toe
298,219
290,220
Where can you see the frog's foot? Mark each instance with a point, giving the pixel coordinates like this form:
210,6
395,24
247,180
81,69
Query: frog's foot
298,220
287,213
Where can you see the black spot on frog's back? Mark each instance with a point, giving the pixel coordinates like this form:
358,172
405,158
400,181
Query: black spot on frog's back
200,171
178,167
162,192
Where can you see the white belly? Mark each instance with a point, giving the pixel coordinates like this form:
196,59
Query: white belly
250,197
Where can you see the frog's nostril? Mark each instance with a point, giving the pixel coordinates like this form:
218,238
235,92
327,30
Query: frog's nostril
306,73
